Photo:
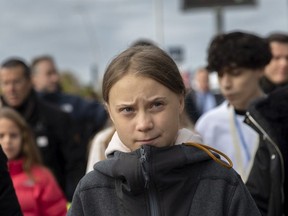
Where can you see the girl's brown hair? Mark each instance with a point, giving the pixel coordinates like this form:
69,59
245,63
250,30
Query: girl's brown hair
147,61
29,151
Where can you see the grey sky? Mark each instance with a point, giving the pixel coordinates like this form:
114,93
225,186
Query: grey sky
83,33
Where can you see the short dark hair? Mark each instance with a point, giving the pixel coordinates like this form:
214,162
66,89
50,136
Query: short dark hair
277,37
238,49
17,62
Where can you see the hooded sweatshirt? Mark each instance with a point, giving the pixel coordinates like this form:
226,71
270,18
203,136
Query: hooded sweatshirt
173,180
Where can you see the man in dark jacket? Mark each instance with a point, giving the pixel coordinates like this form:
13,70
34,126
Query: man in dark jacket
9,204
51,126
268,180
89,116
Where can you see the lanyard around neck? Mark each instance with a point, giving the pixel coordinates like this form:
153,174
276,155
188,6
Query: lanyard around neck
237,134
242,138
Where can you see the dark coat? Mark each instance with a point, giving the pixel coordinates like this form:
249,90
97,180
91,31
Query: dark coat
267,181
178,180
9,205
89,116
53,134
268,87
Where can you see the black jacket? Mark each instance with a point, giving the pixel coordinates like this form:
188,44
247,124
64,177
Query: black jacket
89,116
53,134
9,205
178,180
267,181
268,87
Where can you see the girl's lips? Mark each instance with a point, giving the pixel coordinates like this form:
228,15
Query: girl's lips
146,141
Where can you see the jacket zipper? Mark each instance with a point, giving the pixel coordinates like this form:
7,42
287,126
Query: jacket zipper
149,186
253,122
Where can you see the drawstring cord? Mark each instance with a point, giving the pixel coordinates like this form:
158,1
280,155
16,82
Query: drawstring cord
209,151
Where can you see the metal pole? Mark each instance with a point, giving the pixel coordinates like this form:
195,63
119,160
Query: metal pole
219,20
159,27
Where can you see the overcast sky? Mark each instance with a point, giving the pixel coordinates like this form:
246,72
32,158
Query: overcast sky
82,34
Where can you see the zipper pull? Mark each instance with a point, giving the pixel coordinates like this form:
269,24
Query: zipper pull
144,166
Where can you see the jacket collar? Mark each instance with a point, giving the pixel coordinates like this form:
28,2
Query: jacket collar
159,164
15,166
184,135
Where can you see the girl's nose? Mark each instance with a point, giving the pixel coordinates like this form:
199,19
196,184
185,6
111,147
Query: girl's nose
144,122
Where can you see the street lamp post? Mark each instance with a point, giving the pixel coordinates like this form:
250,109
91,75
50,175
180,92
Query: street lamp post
219,20
159,27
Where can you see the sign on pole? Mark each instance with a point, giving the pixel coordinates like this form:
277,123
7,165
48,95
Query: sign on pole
192,4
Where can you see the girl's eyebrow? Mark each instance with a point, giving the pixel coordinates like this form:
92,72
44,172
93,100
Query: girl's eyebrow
124,104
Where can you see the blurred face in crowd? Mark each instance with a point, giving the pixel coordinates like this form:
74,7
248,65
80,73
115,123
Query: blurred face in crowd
10,138
144,111
202,80
15,86
239,86
277,70
45,77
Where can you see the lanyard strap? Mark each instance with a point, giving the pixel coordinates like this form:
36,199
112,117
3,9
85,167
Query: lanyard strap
242,138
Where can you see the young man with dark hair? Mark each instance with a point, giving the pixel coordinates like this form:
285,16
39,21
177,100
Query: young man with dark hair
239,58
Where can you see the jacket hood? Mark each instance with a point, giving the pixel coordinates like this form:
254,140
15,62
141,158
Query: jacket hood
137,169
184,135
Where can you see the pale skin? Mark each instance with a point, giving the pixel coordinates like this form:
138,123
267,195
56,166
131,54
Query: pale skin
10,138
202,80
45,78
240,86
277,70
14,86
144,112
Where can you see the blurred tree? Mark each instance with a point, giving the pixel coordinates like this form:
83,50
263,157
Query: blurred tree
70,84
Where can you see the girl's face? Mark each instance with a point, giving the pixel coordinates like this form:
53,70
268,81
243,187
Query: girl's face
10,138
144,112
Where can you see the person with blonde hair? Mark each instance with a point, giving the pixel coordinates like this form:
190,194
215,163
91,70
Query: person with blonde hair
153,165
35,186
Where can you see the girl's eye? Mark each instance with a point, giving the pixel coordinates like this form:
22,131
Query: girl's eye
126,109
157,104
14,135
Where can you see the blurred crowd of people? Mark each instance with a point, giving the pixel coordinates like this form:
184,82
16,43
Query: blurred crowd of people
50,139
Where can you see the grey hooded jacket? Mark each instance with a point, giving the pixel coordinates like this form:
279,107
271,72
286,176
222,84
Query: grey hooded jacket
177,180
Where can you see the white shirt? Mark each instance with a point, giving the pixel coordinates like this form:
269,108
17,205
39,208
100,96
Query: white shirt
218,129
